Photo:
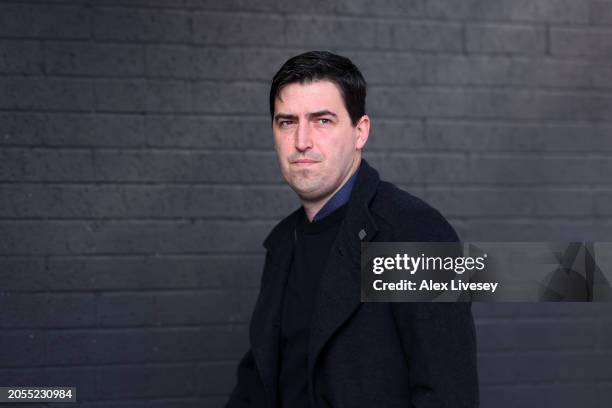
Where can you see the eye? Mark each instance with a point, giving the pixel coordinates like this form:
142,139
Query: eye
285,123
324,121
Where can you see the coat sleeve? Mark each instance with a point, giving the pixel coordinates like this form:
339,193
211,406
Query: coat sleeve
438,338
439,342
248,385
246,375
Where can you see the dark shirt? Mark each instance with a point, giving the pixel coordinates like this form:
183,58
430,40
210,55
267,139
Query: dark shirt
313,242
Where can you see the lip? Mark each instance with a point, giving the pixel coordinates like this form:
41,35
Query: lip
303,162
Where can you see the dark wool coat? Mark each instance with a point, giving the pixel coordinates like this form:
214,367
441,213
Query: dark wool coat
364,354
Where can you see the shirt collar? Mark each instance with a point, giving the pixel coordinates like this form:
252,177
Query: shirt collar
337,200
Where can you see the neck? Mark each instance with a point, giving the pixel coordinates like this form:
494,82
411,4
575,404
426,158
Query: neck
312,207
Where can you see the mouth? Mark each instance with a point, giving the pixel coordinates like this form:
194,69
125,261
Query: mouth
304,162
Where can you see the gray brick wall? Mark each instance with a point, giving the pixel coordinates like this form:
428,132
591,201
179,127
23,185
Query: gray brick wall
137,177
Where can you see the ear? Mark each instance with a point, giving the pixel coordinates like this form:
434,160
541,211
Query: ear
363,132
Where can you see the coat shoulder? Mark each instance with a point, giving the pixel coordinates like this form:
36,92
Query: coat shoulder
282,228
405,217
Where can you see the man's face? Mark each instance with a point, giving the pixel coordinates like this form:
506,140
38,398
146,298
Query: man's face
316,143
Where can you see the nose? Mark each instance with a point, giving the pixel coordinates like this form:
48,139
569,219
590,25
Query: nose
303,139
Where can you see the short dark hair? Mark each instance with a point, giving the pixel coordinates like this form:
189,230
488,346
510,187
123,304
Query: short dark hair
318,65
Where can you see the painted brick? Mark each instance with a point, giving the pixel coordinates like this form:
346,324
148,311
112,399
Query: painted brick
202,307
20,349
94,130
543,310
44,21
536,230
213,62
601,12
237,29
21,129
265,202
215,378
150,381
558,395
21,57
385,67
559,11
500,169
125,310
46,94
83,58
69,238
579,42
71,347
187,166
141,25
138,95
513,137
245,64
23,274
231,98
397,135
112,273
324,32
511,70
505,39
79,129
420,36
489,104
209,132
538,367
607,334
40,310
536,335
171,272
48,165
494,202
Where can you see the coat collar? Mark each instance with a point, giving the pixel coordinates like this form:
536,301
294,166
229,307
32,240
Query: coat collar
339,292
362,193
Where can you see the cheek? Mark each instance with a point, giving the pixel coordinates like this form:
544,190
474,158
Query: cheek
338,148
280,144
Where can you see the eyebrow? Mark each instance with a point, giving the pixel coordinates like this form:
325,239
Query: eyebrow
321,113
309,115
279,116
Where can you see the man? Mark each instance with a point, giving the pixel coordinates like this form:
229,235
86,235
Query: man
313,343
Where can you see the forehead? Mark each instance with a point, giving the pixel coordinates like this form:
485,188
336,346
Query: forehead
310,97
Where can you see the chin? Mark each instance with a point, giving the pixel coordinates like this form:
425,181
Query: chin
312,194
305,190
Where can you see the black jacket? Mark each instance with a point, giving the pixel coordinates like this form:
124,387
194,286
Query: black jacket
364,354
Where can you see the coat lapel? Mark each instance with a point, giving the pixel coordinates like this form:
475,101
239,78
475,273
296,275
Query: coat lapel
339,292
